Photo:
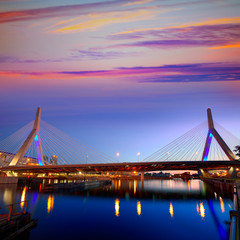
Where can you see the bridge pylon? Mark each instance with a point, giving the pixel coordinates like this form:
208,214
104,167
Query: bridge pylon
33,136
212,132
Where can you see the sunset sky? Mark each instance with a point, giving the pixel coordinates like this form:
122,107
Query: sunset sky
122,76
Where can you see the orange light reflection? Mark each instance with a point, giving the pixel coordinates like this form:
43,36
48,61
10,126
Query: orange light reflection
135,186
222,205
23,196
197,208
189,187
139,208
202,210
117,207
171,210
50,203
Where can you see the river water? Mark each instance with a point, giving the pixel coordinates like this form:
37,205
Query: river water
127,209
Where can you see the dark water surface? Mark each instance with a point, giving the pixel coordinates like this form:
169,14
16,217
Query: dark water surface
159,209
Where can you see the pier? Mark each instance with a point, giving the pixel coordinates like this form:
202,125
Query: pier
15,223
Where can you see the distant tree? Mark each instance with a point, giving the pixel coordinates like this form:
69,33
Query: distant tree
237,151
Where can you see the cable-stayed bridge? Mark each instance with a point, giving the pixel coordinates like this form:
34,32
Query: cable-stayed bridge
44,149
38,144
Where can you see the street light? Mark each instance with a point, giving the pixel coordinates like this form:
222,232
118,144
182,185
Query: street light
138,154
117,154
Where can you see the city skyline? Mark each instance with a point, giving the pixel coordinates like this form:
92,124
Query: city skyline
122,76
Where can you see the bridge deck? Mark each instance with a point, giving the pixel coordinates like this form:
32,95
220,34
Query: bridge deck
125,167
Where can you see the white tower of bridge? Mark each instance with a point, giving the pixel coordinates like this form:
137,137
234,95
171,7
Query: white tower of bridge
33,136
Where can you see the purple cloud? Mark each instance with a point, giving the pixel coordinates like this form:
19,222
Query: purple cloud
56,11
76,55
175,43
4,59
200,72
229,77
82,9
96,54
193,36
193,68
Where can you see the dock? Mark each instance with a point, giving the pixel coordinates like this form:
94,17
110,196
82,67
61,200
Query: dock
15,223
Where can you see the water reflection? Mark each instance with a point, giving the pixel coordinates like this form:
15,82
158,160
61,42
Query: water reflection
23,196
202,210
175,185
220,226
189,188
222,205
117,207
197,207
139,208
190,206
160,188
135,186
8,194
50,203
171,210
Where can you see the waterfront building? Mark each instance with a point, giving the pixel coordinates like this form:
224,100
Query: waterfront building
45,160
54,160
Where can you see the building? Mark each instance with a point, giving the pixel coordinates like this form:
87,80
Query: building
54,160
45,160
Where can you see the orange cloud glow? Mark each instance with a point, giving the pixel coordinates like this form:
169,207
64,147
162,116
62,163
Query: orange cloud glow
138,2
237,45
101,20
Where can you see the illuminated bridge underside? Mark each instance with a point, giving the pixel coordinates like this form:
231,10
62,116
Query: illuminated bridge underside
125,167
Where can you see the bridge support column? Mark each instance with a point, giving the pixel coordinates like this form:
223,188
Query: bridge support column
33,136
142,179
212,132
232,173
205,173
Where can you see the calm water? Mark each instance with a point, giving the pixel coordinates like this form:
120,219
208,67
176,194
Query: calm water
161,209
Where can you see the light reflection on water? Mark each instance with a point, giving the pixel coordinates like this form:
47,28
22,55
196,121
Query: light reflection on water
8,193
169,186
222,205
117,207
175,185
171,210
139,208
23,196
164,205
135,186
202,210
197,208
50,203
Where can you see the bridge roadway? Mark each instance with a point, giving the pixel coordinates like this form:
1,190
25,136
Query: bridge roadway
125,167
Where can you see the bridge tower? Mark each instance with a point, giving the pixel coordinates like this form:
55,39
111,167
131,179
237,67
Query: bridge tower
33,136
212,132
